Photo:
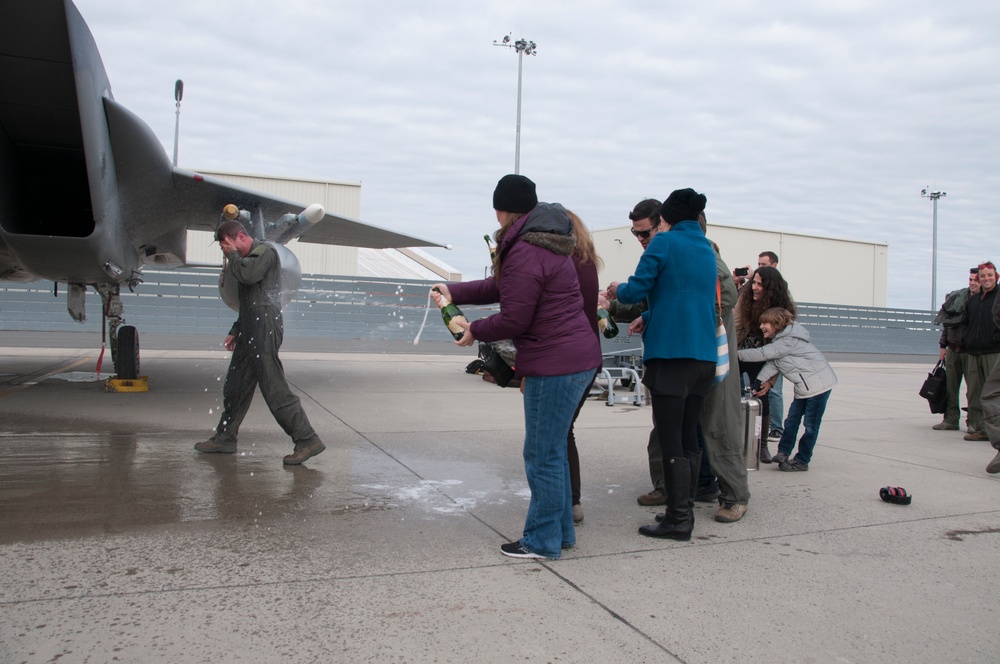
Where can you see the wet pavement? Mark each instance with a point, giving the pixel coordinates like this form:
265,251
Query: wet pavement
119,542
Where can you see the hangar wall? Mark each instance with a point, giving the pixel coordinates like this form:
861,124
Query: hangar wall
342,198
818,269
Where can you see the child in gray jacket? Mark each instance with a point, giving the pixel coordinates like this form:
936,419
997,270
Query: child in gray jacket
790,354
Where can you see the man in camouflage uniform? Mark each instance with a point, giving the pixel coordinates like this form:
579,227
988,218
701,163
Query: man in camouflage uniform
952,353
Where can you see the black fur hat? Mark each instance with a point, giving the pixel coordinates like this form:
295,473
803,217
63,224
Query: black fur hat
681,205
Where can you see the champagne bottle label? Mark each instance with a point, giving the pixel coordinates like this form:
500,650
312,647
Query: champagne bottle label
452,316
606,324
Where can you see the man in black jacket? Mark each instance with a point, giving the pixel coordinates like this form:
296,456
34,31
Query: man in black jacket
982,345
991,404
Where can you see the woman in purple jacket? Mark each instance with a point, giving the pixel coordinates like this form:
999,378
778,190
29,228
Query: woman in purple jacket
541,309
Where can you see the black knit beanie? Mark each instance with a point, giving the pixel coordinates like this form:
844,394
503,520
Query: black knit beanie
514,193
681,205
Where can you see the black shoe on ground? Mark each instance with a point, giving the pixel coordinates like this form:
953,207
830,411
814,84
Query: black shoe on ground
708,495
779,458
765,454
211,447
774,435
303,453
515,550
667,530
793,466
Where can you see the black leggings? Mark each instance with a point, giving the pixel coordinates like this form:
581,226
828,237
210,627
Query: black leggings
676,420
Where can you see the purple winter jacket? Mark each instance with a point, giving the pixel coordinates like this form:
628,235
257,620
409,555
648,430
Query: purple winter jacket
541,308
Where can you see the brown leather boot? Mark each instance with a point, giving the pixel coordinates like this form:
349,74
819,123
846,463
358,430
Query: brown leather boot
304,452
765,454
211,447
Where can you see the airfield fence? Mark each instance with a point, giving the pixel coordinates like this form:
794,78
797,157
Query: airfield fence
362,308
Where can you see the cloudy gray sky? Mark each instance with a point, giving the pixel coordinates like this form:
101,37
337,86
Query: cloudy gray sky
818,117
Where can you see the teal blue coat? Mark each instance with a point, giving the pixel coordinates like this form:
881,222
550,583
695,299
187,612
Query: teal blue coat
677,276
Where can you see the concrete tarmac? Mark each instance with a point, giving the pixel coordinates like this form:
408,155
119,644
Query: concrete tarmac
119,542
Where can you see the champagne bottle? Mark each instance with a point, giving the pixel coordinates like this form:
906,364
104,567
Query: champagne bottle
452,315
493,252
606,324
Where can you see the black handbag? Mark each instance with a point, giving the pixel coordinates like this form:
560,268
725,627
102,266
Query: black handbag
934,389
495,365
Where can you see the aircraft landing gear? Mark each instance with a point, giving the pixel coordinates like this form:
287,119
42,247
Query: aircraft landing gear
126,358
124,338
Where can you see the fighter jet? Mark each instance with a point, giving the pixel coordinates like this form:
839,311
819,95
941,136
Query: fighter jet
88,195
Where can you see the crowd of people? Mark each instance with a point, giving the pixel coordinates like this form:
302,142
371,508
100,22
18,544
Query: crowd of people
544,277
970,348
692,313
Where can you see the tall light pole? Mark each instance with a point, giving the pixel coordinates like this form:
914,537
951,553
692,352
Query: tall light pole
934,196
178,95
523,48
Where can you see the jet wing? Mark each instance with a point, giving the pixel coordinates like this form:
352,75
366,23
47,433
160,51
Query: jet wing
200,193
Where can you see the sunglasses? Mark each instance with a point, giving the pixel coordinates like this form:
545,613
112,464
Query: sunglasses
642,234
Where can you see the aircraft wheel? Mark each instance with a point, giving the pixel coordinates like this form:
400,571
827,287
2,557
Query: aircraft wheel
127,355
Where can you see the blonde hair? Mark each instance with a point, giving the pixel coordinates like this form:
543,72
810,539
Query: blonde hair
584,251
778,317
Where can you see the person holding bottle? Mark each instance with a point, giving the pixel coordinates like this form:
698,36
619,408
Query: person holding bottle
542,310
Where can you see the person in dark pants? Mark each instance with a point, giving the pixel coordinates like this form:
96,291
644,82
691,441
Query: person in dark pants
981,342
646,223
677,277
254,340
587,264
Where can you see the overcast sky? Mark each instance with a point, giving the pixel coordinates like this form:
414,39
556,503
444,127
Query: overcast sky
821,117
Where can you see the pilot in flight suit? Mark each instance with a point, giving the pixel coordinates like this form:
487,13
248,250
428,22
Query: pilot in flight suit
255,339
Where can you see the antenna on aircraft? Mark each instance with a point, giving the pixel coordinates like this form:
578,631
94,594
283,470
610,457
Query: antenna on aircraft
178,95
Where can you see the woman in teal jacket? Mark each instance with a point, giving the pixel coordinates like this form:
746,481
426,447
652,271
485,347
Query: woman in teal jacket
677,277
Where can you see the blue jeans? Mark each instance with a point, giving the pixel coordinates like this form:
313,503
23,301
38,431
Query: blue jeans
810,409
549,405
776,404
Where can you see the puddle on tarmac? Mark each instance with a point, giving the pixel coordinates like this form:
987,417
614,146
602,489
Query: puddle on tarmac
83,376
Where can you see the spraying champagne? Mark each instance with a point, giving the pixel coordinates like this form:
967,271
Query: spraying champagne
452,315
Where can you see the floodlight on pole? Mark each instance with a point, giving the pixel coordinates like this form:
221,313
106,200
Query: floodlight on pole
934,196
523,47
178,95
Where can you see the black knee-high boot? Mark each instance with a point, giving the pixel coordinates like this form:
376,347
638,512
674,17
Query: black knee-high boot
694,458
678,521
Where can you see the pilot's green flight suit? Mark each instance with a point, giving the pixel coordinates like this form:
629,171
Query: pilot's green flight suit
259,332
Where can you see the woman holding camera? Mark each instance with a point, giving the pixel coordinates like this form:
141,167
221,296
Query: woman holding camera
542,310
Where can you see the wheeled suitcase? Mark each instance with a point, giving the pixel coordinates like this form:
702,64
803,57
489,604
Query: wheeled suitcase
750,409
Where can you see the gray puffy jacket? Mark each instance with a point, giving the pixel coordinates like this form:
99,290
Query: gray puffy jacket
792,355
